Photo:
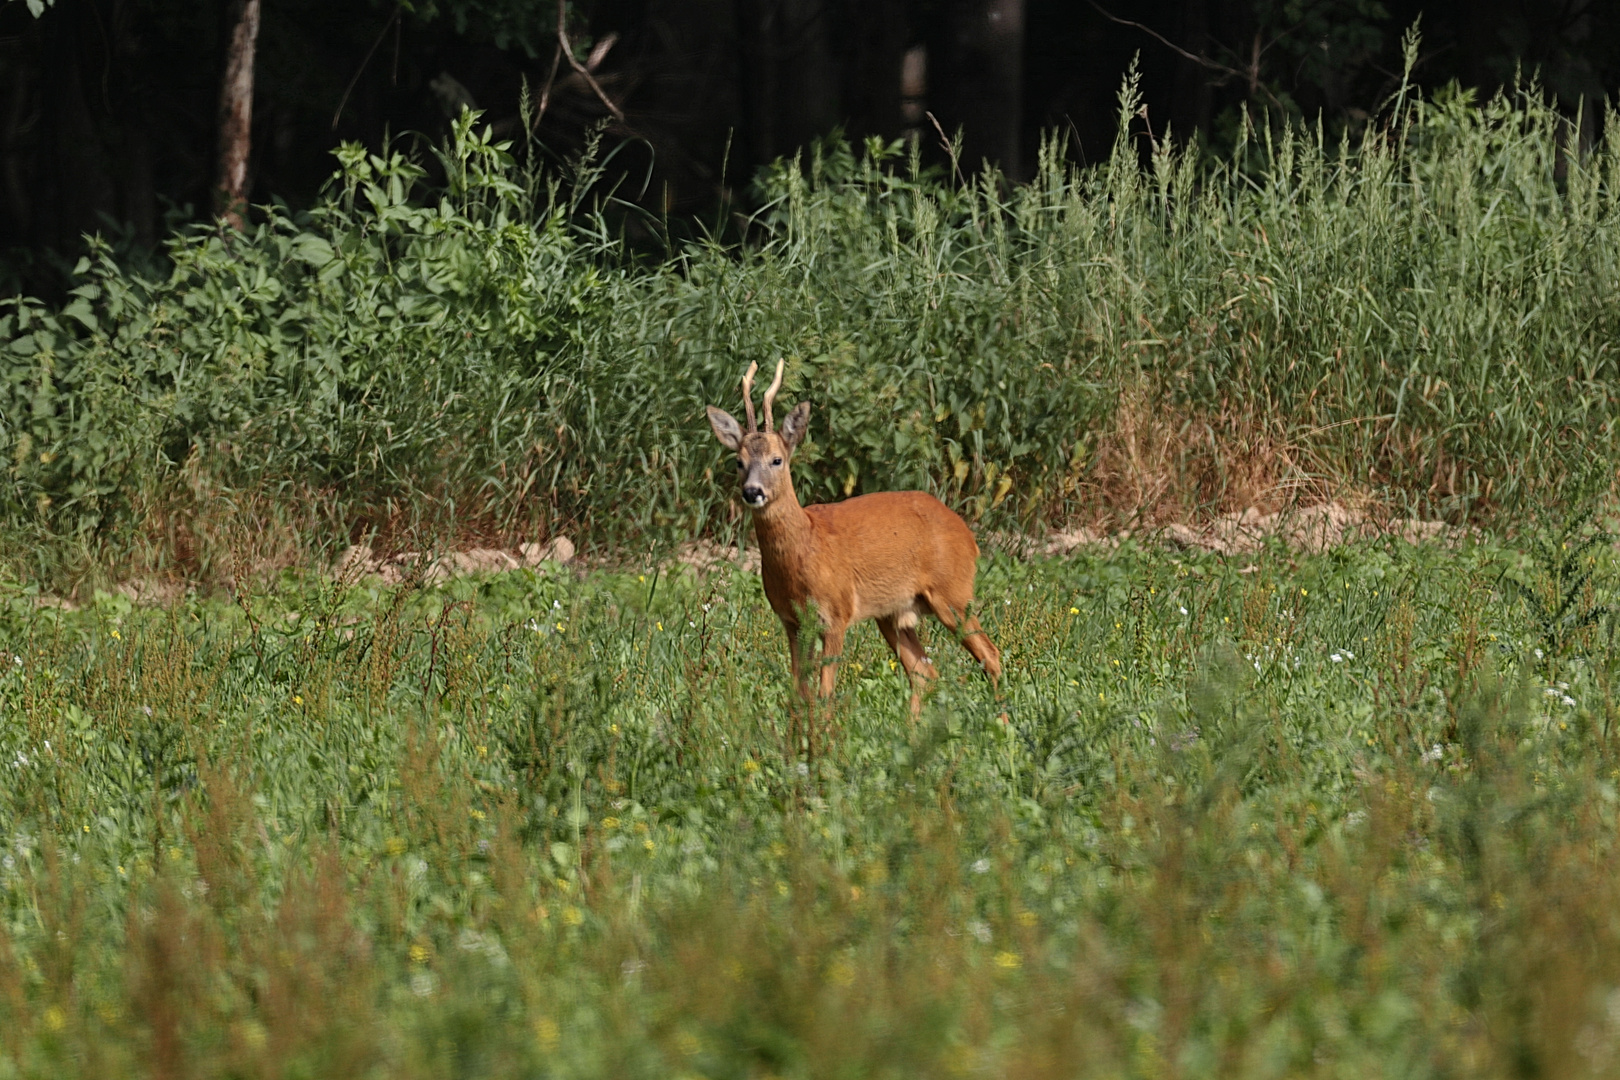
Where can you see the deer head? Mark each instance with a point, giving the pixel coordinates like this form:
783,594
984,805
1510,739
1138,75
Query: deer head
762,456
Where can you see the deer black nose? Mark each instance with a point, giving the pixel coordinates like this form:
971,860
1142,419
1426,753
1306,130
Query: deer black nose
753,495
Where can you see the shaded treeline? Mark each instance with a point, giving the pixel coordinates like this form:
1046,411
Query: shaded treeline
109,108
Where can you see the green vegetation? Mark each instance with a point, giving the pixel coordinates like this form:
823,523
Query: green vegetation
1352,815
1425,319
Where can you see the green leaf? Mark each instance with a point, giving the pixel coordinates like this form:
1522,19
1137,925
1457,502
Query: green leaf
81,310
313,250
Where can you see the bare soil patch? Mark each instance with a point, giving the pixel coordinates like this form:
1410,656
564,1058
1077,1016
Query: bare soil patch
1310,530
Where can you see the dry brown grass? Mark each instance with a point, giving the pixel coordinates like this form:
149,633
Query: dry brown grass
1161,463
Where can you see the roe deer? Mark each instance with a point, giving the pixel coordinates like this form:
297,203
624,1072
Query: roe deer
890,556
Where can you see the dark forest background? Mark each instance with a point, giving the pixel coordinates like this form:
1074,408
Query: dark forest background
111,120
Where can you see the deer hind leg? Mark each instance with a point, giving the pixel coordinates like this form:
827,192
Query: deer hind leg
983,649
909,650
973,637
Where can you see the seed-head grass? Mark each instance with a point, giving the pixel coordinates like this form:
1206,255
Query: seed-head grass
1330,814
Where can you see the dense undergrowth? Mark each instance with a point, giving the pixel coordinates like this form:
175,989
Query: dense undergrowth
1425,319
1348,816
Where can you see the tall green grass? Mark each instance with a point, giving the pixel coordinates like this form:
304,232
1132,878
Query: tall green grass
1327,817
1424,319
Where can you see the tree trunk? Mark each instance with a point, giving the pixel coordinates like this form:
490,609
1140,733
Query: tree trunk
1194,97
756,43
77,179
975,80
790,85
874,43
807,80
236,114
16,223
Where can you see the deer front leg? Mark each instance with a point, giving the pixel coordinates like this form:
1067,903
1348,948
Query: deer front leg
796,650
832,649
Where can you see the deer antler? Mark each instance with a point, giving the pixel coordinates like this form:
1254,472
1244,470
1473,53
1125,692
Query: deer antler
748,397
770,395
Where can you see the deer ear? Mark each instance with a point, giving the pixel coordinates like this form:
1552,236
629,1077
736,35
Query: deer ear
726,428
795,424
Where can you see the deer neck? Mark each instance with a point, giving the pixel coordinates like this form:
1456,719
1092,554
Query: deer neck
783,528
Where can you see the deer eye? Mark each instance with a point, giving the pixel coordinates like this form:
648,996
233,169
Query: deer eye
739,463
776,461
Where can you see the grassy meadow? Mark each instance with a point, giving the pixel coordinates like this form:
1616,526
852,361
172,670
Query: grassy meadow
1342,815
1345,814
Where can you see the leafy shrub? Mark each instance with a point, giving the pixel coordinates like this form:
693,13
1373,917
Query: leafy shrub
1425,320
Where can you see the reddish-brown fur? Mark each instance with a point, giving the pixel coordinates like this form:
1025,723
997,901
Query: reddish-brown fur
891,556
